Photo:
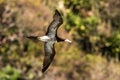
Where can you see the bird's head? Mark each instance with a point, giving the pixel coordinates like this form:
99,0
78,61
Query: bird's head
67,40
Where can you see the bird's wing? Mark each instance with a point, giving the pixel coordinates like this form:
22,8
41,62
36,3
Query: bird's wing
49,55
54,25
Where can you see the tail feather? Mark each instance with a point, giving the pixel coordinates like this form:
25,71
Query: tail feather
34,38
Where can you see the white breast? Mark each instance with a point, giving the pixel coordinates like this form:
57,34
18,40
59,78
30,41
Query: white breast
44,38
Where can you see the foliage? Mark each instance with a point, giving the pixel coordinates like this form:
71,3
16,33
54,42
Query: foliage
76,17
85,17
113,45
92,25
9,73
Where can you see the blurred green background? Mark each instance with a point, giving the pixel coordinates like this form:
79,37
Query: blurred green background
92,25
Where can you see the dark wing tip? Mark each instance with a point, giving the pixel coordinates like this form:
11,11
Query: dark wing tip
57,12
45,68
57,16
46,65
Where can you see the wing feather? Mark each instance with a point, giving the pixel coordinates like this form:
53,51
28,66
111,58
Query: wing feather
54,25
49,55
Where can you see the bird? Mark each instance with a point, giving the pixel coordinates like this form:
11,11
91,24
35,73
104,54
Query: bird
50,39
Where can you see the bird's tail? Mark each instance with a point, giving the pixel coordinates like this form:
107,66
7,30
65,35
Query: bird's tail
34,38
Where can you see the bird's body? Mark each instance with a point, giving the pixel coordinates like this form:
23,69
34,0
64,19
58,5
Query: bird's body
50,38
44,38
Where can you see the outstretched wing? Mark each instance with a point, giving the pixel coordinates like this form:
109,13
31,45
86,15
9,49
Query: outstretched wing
54,25
49,55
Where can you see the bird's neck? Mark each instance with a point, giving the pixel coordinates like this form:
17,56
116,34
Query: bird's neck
60,39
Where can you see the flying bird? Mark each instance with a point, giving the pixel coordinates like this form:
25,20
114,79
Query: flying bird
50,39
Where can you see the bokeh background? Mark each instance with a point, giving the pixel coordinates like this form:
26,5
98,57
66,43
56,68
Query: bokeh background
92,25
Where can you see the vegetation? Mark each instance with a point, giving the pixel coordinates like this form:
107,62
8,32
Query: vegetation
92,25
